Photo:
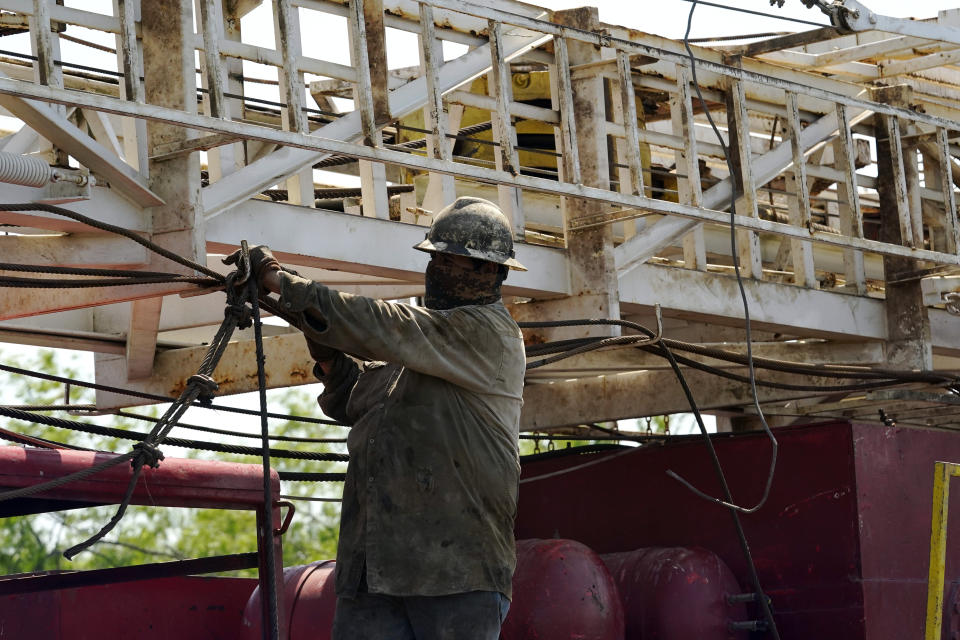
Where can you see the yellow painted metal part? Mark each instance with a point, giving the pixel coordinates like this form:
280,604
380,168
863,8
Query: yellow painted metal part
943,471
532,87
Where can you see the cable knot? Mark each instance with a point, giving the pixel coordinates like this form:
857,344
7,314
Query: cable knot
148,454
206,385
241,314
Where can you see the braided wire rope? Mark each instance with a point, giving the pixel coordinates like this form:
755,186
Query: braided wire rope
14,282
158,398
82,271
112,228
884,377
272,599
147,452
124,434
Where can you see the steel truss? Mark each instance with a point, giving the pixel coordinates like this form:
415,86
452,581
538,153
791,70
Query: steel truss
841,188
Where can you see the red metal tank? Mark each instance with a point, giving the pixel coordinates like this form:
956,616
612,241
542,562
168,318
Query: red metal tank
676,593
309,599
562,590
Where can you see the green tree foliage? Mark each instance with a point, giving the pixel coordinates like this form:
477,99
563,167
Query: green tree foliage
155,534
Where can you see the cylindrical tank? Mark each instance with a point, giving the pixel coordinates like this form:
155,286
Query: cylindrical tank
562,590
676,593
309,601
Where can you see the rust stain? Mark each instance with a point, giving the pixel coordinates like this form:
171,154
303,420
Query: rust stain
177,388
299,374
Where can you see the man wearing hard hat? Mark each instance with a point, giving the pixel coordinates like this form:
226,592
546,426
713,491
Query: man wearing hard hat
426,546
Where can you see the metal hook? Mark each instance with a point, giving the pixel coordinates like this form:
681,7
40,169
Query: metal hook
244,267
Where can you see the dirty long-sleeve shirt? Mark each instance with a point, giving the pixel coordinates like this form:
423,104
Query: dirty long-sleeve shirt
434,399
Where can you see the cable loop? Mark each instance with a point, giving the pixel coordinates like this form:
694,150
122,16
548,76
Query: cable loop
241,315
206,387
148,454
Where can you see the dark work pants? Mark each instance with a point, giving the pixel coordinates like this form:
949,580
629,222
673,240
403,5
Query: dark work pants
476,615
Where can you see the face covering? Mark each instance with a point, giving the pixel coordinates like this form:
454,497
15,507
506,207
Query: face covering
450,285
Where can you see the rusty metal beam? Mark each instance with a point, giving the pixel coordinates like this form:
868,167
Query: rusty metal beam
645,393
288,363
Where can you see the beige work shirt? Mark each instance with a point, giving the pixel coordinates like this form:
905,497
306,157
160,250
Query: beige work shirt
434,400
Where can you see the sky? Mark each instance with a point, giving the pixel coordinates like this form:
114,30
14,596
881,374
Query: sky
669,19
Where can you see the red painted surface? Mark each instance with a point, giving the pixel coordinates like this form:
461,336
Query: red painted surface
177,482
171,608
674,593
561,590
310,603
841,545
895,492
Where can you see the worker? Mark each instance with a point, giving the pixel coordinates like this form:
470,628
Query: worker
426,548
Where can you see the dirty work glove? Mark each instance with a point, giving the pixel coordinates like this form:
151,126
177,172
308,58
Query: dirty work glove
320,352
262,261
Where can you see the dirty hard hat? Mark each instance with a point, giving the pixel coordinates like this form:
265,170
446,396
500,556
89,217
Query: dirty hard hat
472,227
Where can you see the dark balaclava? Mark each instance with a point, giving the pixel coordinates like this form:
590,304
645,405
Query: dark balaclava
450,285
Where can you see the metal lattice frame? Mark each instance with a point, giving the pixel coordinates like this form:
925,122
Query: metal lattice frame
804,144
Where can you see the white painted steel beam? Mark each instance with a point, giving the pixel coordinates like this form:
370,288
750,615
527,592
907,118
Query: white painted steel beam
21,303
47,122
643,393
266,172
142,337
642,247
781,308
74,250
487,175
861,18
287,363
328,239
628,359
105,205
876,49
58,13
799,201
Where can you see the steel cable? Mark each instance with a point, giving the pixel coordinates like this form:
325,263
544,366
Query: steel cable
14,282
82,271
200,384
230,432
268,530
113,432
106,226
785,366
41,443
159,398
42,487
750,12
304,476
863,386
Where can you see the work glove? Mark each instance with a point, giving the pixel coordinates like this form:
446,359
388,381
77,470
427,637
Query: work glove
262,262
320,352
